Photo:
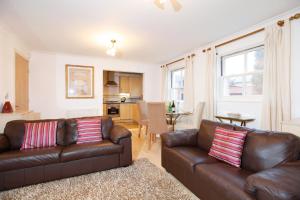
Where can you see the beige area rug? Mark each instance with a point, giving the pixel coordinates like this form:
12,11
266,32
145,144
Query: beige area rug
142,180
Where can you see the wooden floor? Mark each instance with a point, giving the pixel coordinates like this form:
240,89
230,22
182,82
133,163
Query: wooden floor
140,145
141,150
127,124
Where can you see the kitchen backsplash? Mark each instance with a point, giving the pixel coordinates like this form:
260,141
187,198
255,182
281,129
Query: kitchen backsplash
118,98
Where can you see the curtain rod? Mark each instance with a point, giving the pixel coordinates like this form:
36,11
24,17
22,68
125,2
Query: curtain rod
175,61
279,23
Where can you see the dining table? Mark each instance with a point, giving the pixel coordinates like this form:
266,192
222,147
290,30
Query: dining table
172,117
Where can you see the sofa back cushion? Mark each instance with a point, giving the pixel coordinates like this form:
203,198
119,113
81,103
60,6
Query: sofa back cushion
72,131
299,148
207,132
264,150
4,143
15,131
107,125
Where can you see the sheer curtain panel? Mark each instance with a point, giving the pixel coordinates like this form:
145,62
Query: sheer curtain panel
209,82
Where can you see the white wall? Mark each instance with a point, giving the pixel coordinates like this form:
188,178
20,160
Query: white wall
9,45
252,108
47,83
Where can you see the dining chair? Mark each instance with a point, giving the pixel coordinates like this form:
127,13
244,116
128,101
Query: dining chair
193,120
157,123
142,116
199,114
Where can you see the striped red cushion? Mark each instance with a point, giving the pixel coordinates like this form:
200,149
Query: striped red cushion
89,130
228,146
39,135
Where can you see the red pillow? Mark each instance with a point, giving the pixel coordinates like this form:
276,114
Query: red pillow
228,146
89,130
39,135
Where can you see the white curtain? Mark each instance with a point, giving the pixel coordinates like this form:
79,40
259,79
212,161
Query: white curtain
277,69
164,82
209,83
188,104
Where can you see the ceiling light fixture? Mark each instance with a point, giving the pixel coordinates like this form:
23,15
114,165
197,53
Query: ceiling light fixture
175,4
112,50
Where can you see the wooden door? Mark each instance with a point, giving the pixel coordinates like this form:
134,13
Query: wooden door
136,86
21,83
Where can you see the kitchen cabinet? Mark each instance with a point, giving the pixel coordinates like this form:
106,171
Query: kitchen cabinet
136,86
126,111
132,85
124,84
129,111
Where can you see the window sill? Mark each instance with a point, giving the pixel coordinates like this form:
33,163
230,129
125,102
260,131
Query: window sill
252,99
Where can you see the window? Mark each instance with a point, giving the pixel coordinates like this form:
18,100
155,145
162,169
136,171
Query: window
177,85
242,73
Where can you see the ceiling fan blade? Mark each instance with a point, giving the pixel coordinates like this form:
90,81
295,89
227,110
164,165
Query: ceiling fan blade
159,4
176,5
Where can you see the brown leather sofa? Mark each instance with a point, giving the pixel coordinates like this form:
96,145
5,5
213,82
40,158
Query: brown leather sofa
20,168
270,165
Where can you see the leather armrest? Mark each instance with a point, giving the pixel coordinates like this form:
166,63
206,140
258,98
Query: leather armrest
279,183
4,143
119,132
186,137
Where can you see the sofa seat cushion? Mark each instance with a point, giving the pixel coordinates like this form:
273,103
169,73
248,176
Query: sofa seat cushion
190,156
20,159
87,150
221,179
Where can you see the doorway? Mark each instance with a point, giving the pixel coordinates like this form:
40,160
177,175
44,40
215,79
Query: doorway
21,83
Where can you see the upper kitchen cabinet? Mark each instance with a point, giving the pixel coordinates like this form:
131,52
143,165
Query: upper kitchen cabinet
136,86
124,84
132,84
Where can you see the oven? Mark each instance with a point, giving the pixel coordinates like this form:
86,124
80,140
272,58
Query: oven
113,110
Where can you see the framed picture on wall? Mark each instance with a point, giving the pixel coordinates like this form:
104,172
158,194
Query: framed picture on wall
79,82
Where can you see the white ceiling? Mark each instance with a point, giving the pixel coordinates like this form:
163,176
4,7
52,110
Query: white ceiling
148,34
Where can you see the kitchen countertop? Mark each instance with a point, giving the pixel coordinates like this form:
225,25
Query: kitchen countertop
131,102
